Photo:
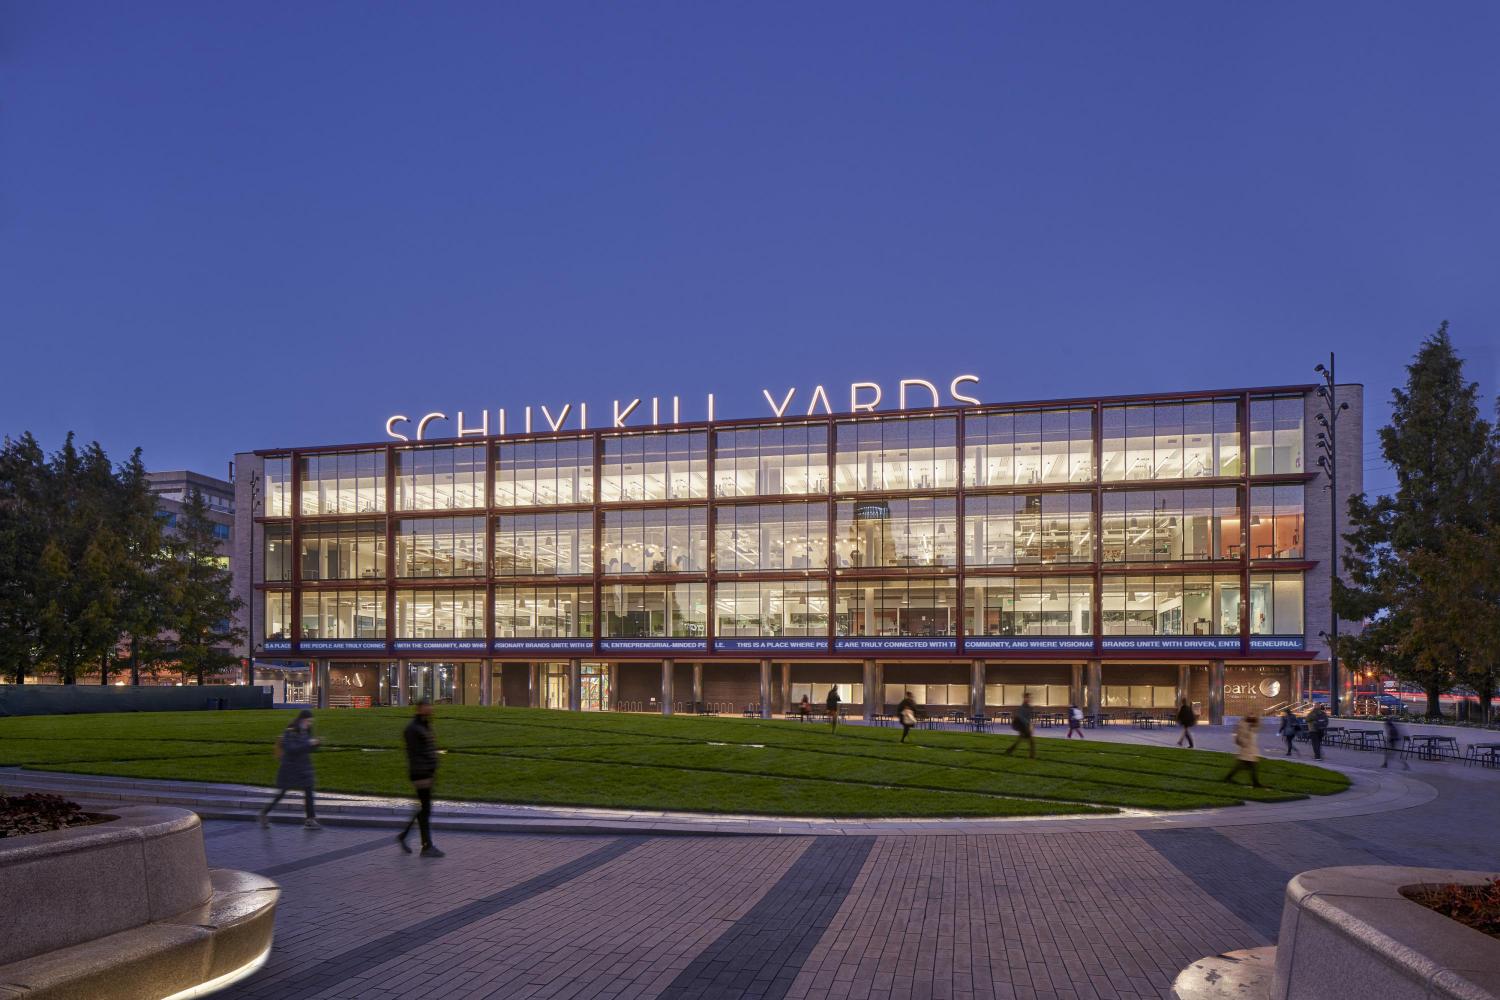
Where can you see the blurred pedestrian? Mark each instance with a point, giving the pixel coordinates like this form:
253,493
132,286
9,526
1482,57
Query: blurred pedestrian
1075,722
1187,719
294,748
1247,750
833,708
1393,744
907,713
1288,731
805,708
1317,728
421,766
1021,723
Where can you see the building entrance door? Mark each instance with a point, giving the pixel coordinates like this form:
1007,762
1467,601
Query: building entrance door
555,685
593,687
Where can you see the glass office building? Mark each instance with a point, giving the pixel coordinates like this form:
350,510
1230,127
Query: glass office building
1120,553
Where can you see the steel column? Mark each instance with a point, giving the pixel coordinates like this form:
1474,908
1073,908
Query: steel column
575,695
765,689
667,667
1216,692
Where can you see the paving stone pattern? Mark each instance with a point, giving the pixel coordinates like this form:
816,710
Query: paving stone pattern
1101,914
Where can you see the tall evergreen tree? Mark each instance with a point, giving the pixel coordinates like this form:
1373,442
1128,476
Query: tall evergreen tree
202,600
1441,451
143,581
23,536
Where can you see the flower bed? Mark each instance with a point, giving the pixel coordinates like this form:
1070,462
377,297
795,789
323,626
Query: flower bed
39,812
1477,906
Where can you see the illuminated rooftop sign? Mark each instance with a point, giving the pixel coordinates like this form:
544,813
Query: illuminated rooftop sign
864,397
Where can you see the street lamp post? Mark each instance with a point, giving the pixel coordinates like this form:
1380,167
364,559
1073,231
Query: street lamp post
1327,444
250,627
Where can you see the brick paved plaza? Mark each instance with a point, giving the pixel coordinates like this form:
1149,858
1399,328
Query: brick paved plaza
1110,913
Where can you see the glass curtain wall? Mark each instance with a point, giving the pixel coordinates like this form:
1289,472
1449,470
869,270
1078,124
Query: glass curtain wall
658,466
1171,604
1166,525
1276,435
346,550
544,612
343,614
910,607
1170,440
670,540
911,453
896,532
1030,528
440,614
542,473
560,544
443,478
1022,447
1276,522
1030,606
771,608
779,536
1276,604
654,610
276,621
350,482
276,477
277,552
771,461
440,547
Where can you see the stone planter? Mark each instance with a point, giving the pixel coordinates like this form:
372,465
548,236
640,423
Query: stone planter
1349,934
126,908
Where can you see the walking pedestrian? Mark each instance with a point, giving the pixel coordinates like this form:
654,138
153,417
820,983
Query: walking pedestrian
1247,751
833,708
907,713
421,766
1075,722
1187,719
1021,723
1393,744
294,748
1288,731
1317,728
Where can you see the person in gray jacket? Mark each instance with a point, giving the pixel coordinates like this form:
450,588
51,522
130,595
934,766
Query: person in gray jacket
295,748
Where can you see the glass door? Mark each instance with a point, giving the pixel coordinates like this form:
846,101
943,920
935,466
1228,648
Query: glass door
593,687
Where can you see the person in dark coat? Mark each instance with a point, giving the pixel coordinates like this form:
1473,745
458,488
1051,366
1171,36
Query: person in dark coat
295,747
1187,719
421,767
907,713
1393,744
1317,728
1288,731
833,707
1021,723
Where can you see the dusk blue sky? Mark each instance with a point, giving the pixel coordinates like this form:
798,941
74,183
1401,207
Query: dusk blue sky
225,227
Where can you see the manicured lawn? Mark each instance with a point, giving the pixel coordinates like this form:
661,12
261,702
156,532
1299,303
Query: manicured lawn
647,762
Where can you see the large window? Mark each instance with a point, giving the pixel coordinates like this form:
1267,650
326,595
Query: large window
540,473
1171,440
544,612
1030,605
655,610
661,466
1276,522
1276,604
915,532
448,478
350,550
750,537
918,607
277,552
1029,446
1168,604
769,461
898,453
1029,528
771,608
440,614
276,623
545,544
351,482
343,614
277,487
440,547
669,540
1276,435
1168,525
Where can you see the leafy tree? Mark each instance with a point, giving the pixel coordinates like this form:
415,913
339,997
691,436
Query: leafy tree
1403,557
23,536
202,602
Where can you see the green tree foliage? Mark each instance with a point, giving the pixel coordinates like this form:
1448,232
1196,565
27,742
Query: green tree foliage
85,569
1414,558
202,603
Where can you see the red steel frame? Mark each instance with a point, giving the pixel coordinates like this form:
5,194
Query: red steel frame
1244,565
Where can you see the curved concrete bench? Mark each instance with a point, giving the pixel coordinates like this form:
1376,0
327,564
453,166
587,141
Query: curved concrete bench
1349,934
127,908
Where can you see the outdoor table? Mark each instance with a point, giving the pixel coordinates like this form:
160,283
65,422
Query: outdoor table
979,723
1430,747
1483,754
1364,737
1095,721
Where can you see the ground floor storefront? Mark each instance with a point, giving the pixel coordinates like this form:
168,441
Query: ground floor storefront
870,687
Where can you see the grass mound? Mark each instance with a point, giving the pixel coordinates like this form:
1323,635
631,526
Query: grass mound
724,765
